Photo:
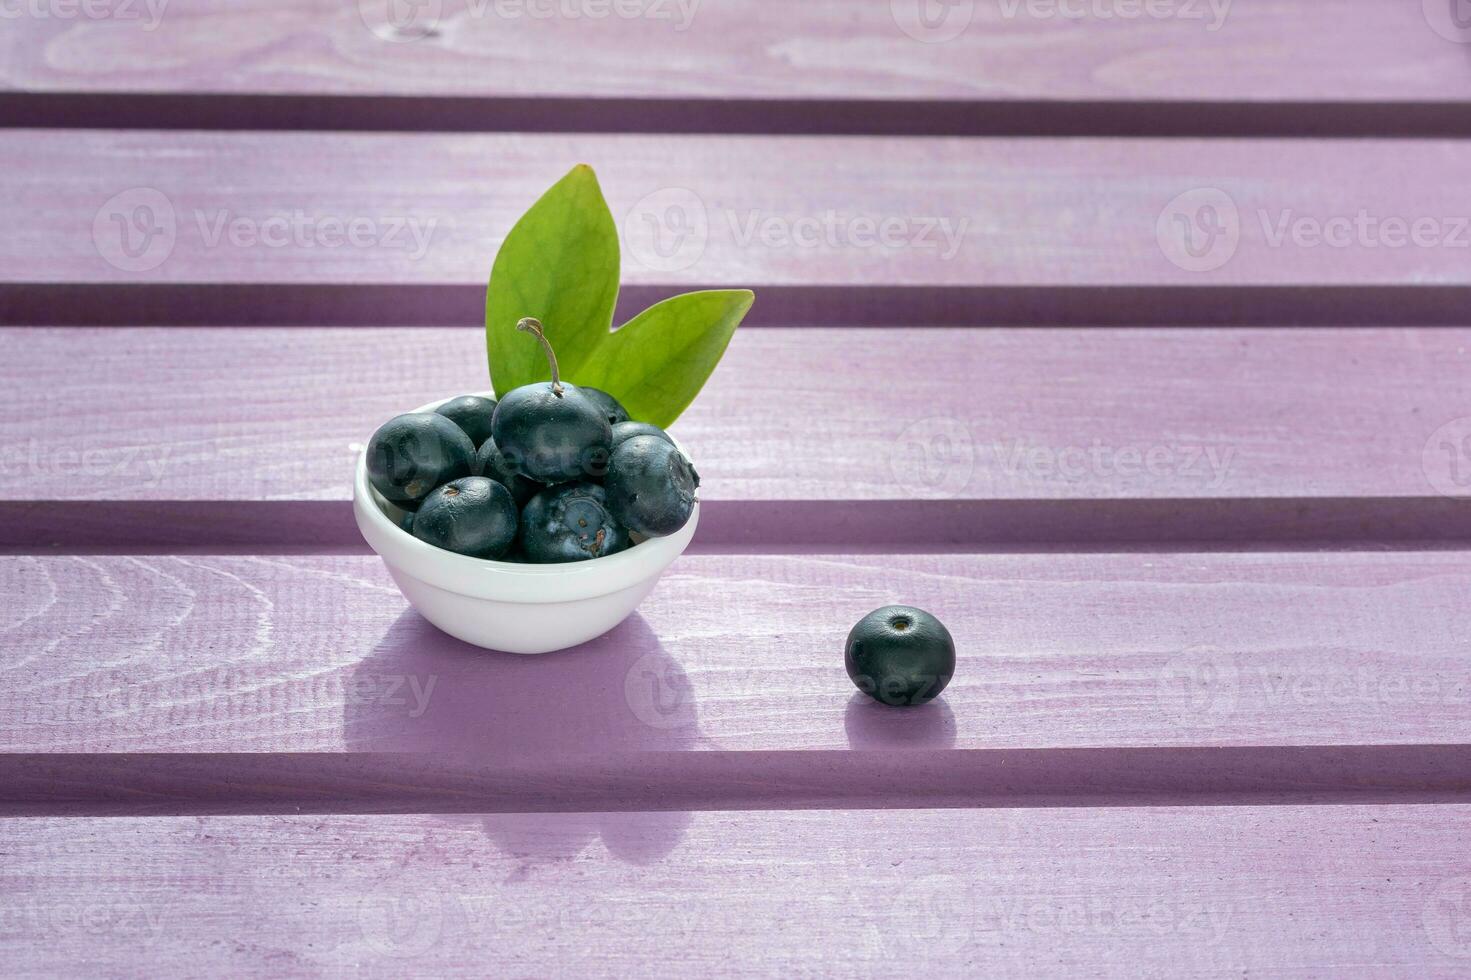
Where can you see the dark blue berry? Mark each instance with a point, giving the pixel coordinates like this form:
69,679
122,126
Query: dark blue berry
612,409
471,413
624,431
412,454
570,523
551,432
900,656
550,437
651,486
472,516
490,462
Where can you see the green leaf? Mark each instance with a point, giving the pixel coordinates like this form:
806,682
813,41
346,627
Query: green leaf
560,265
658,362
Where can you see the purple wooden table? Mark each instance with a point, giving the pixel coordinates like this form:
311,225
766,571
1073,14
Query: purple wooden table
1157,390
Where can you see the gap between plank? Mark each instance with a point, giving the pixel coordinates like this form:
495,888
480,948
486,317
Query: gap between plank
451,305
158,784
792,526
713,116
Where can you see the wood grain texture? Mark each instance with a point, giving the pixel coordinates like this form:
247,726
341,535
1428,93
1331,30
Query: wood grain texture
739,655
1362,891
792,415
314,211
1252,50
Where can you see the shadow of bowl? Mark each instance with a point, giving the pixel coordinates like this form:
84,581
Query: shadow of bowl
423,691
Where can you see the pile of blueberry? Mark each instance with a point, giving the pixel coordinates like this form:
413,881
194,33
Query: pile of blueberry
551,473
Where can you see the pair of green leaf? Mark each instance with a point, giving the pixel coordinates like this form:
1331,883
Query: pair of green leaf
560,265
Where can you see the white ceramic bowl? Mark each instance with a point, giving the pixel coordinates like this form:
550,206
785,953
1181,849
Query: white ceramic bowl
510,606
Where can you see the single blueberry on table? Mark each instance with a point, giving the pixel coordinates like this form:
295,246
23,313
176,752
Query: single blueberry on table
412,454
549,431
624,431
471,413
900,656
651,486
612,409
570,522
472,516
491,462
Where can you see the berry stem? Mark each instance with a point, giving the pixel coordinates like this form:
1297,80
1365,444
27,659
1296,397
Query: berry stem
531,325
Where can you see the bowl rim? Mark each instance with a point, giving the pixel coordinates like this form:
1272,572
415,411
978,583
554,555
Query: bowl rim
489,578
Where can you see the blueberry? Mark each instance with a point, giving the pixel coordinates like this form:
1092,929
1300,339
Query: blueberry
472,516
612,409
490,462
551,432
899,655
651,486
550,437
624,431
412,454
471,413
570,523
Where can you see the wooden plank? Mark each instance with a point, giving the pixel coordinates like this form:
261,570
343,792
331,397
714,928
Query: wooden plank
924,228
728,687
738,50
820,66
1198,892
256,414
